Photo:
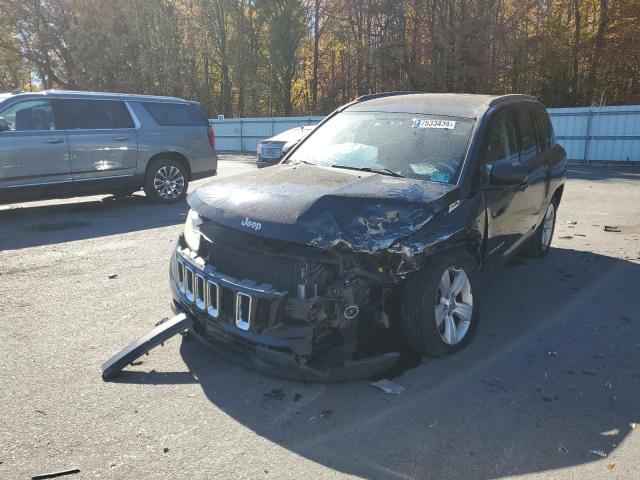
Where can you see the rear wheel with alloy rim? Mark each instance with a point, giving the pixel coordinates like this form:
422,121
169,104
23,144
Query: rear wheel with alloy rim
440,305
540,243
166,181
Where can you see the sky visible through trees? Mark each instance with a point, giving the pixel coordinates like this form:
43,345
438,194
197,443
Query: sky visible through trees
285,57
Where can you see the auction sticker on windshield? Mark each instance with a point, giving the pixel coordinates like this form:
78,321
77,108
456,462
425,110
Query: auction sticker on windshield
422,123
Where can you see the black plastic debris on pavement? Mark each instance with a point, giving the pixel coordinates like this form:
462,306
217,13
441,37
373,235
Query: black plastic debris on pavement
60,473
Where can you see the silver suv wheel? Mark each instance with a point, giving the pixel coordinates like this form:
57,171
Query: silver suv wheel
169,182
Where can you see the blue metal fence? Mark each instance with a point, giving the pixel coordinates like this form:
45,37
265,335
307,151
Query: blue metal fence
591,135
244,134
599,135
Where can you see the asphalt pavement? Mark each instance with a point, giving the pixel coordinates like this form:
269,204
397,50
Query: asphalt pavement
552,376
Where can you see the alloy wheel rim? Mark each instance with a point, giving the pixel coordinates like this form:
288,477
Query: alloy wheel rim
454,305
547,226
168,182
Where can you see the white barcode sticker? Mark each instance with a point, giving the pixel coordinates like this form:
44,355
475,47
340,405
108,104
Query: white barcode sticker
422,123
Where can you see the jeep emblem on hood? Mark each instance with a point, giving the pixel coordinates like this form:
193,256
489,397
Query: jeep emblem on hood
251,224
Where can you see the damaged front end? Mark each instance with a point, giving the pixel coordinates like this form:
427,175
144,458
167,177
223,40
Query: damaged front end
306,314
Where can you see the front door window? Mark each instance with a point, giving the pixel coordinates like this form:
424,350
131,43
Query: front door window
30,115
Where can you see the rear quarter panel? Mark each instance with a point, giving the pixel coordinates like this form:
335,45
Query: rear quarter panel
190,142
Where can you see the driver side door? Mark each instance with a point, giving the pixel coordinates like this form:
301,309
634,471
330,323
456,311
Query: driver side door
33,152
502,202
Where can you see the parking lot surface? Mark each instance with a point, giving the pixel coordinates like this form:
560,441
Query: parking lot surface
552,376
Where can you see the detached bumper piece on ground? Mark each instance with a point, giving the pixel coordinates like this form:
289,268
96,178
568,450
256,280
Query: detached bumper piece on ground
135,350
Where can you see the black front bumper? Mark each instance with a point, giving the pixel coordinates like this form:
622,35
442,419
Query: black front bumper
284,354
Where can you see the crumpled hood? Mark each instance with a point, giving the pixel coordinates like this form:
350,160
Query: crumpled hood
324,207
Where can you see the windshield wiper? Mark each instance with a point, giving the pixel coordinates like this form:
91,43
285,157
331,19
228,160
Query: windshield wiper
381,171
306,162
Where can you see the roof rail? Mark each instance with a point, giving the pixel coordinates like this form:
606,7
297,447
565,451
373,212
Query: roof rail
371,96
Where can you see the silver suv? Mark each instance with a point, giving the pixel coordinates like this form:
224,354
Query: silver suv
60,144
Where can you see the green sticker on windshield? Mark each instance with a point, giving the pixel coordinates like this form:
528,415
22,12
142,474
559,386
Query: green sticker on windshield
441,177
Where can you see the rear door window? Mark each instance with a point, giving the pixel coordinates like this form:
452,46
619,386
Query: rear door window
543,127
528,139
30,115
176,114
95,114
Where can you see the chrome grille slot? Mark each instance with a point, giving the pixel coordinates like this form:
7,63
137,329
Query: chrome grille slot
181,268
188,284
244,303
213,299
200,292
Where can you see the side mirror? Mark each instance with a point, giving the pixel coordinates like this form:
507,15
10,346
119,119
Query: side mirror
4,124
288,146
507,174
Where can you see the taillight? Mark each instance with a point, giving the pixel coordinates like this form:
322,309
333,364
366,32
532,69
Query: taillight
212,137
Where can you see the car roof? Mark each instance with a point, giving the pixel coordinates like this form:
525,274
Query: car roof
446,104
100,95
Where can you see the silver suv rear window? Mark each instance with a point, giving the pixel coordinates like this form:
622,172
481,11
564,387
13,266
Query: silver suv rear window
176,114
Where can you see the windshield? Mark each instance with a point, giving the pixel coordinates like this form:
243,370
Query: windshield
425,147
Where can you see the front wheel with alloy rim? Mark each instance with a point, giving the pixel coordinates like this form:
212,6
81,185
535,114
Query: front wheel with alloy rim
540,242
166,181
440,305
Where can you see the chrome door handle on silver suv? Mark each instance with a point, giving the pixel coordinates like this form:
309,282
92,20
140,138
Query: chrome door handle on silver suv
54,140
122,138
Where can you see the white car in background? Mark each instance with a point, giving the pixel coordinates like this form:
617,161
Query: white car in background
271,150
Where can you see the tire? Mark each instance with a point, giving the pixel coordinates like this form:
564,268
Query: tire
166,181
423,294
540,243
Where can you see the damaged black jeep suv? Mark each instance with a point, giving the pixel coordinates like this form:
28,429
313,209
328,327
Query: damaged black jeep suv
379,225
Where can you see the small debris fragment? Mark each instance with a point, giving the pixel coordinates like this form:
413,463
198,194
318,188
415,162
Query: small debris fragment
599,453
562,448
612,228
161,321
326,413
552,354
41,411
608,385
276,394
611,465
433,424
572,222
567,237
387,386
165,449
579,234
112,276
56,474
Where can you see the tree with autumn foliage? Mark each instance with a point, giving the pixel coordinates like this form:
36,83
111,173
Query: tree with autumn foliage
282,57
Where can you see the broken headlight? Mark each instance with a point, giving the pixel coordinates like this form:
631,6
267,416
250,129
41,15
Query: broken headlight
192,230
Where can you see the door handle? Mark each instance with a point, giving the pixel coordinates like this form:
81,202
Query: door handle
54,140
122,138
